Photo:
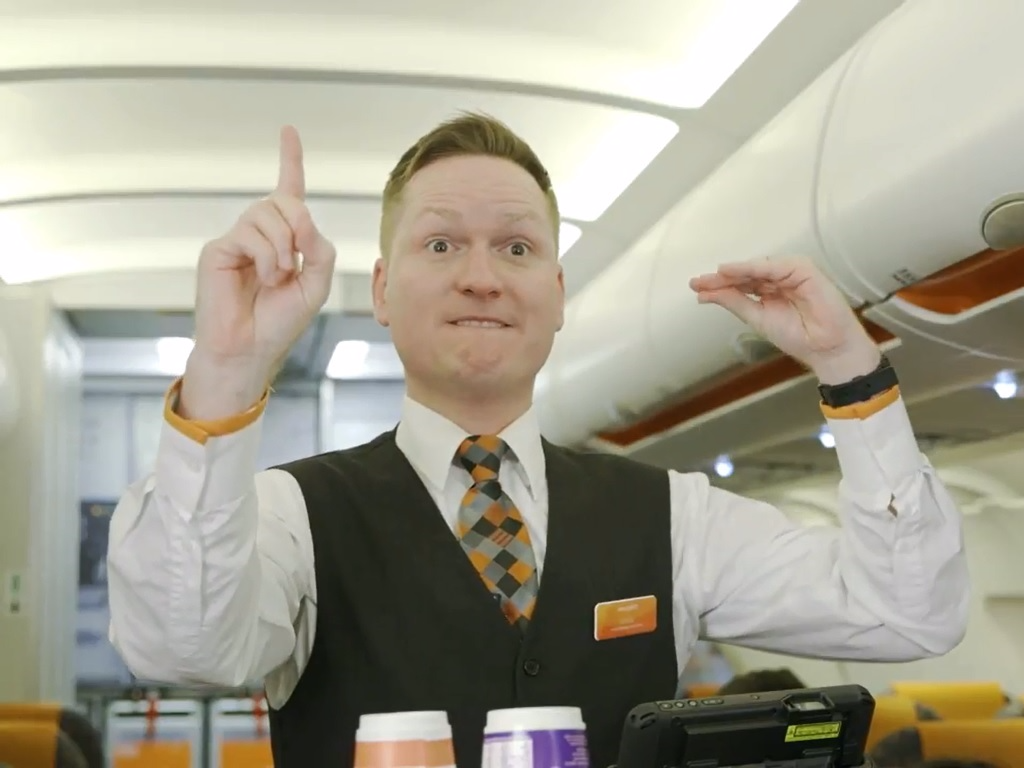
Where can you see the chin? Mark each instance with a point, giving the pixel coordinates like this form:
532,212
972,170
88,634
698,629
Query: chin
478,371
481,371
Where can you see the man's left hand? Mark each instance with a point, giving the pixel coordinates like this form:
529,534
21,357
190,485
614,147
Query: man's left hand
793,305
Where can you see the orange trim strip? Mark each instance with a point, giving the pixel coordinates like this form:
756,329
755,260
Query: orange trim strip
974,281
722,391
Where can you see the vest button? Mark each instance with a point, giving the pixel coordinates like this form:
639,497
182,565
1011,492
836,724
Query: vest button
531,667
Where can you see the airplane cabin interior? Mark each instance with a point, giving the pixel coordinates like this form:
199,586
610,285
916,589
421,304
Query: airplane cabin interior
882,140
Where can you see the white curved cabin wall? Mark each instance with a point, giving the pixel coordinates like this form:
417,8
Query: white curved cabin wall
980,477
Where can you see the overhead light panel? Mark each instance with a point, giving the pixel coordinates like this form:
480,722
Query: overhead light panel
615,159
568,234
826,438
19,251
724,35
172,354
349,359
723,466
1005,385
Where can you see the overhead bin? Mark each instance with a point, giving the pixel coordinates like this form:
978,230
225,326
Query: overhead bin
597,339
921,173
635,336
925,135
881,171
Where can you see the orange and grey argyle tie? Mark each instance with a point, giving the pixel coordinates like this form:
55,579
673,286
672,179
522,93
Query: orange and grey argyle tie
492,531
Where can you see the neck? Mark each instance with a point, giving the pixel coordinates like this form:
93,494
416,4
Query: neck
476,414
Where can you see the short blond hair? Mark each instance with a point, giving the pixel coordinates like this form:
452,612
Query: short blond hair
470,133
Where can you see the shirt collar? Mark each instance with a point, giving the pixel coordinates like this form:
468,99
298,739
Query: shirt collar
430,441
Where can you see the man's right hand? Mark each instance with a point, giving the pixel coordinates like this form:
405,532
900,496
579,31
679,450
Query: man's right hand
257,289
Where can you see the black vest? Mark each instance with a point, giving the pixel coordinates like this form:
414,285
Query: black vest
404,622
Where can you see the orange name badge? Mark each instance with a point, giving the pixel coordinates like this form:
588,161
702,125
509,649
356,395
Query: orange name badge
623,618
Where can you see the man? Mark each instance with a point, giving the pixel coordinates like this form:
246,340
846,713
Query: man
403,574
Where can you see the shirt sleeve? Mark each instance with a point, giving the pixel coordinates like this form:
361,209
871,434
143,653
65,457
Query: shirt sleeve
889,584
209,562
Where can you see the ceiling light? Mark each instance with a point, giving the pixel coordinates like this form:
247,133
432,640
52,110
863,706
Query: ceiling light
172,354
724,35
723,466
1005,385
568,234
348,360
614,161
826,438
19,252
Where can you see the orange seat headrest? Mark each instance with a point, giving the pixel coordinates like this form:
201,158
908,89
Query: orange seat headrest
969,700
1000,742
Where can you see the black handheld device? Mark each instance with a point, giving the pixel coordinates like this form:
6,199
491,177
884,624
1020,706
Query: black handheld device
806,728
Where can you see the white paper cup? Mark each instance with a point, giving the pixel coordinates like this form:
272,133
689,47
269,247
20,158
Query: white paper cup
404,740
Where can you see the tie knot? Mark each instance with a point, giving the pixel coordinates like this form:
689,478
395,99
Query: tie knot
481,455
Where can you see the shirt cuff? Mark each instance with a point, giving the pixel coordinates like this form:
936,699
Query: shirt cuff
209,473
877,449
201,431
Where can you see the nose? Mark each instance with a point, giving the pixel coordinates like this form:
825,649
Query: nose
477,274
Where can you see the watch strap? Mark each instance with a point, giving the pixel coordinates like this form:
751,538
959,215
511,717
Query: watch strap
860,389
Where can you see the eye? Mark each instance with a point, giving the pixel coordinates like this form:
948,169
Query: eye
438,246
519,249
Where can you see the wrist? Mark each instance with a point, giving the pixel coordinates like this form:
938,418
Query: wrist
213,388
847,365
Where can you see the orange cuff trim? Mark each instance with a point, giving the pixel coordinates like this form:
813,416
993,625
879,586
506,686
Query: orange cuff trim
864,410
201,431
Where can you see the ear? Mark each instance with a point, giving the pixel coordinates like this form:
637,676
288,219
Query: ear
561,298
380,284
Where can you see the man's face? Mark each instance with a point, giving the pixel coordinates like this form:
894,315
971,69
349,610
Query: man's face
472,290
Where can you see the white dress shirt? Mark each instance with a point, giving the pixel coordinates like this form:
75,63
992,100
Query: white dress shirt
211,572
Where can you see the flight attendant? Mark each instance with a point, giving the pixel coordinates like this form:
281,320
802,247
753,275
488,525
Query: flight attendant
461,562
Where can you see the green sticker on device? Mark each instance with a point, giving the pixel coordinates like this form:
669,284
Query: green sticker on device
813,731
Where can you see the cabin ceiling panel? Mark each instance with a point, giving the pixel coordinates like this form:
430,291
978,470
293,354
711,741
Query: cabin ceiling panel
133,132
777,439
128,136
671,53
955,421
154,233
126,173
184,99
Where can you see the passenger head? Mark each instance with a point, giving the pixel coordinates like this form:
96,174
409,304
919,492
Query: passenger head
763,681
1012,708
899,749
904,749
469,280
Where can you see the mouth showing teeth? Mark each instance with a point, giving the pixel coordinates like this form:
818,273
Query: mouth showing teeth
480,324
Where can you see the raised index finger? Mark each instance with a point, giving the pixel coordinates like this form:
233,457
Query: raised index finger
291,177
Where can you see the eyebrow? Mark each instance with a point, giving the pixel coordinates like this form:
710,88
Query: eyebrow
452,214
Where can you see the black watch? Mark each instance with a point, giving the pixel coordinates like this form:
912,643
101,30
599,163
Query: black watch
860,389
